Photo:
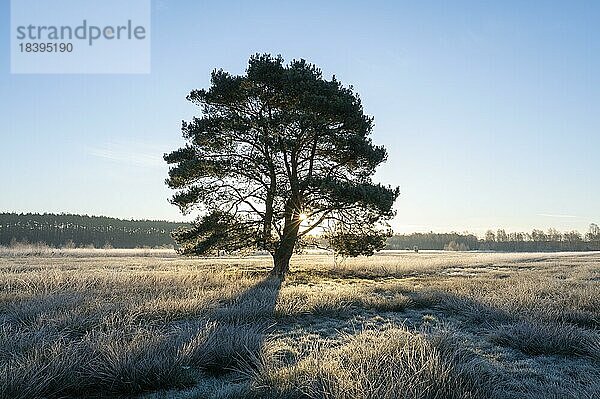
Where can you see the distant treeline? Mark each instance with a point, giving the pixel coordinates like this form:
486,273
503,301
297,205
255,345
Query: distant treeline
432,241
66,230
537,240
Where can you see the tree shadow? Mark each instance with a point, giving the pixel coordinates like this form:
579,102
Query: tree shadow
241,328
256,303
247,319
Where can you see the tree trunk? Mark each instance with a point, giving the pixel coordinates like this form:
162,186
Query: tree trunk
281,259
285,249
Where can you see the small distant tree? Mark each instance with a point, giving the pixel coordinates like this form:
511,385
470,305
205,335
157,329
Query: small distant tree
538,235
516,237
573,236
456,246
278,152
554,235
501,235
490,236
593,233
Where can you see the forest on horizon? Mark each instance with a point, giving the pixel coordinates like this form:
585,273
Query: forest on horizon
70,230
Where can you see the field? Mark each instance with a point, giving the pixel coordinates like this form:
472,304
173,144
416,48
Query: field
398,325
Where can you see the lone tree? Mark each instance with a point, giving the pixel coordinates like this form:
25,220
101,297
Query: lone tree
277,153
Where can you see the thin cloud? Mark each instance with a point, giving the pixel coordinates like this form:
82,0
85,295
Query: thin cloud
552,215
132,153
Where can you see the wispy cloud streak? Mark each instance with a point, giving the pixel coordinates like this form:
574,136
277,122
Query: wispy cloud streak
133,153
552,215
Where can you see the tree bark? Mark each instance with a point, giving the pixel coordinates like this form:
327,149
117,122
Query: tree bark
285,249
281,259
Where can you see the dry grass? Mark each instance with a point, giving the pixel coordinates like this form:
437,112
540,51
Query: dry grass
427,325
377,364
43,250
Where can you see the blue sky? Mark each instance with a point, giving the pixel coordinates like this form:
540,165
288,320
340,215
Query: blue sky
489,110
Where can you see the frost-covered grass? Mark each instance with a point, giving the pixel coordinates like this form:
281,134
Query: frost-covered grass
426,325
43,250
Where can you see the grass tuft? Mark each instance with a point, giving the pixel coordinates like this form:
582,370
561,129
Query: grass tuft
538,338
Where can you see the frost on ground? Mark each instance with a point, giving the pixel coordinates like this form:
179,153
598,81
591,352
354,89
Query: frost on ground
403,325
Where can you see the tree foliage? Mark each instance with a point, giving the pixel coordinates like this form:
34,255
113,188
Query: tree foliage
276,153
